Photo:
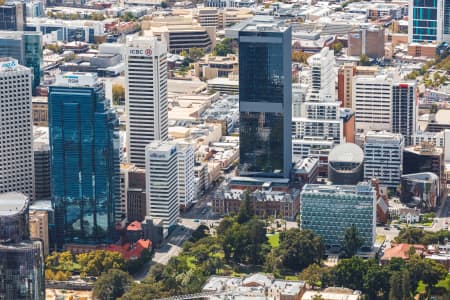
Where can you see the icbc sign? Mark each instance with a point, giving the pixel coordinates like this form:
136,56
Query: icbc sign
140,52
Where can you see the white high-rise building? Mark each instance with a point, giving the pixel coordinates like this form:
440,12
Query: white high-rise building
317,124
323,75
372,103
383,157
146,93
16,128
186,176
161,176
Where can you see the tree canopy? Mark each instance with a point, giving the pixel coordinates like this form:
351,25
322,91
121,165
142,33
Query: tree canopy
224,47
352,241
112,284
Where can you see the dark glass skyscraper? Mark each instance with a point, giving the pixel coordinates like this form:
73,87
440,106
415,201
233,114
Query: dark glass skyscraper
12,16
265,99
85,170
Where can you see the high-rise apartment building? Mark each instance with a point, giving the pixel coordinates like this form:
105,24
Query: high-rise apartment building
319,126
265,99
21,260
162,183
329,210
345,84
383,157
186,177
16,136
85,171
426,20
381,103
12,16
26,47
372,103
404,109
146,92
323,75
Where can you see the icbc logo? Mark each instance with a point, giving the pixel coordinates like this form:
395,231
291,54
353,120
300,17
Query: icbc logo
140,52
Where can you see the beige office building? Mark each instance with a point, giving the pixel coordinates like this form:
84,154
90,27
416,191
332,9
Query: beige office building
39,227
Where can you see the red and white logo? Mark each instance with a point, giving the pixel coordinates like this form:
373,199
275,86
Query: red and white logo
148,52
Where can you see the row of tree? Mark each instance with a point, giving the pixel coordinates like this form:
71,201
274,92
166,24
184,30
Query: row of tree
240,245
398,279
413,235
61,265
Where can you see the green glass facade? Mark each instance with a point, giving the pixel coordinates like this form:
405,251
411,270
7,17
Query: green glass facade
328,210
33,56
26,47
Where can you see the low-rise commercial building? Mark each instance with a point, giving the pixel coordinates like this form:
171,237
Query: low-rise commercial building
332,293
264,202
254,286
305,171
181,33
420,190
66,30
211,67
366,41
426,158
224,85
329,210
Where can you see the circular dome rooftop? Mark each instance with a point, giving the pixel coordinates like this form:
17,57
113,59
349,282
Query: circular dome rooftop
12,203
346,153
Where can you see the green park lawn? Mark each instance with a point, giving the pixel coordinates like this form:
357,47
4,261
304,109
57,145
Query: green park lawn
274,240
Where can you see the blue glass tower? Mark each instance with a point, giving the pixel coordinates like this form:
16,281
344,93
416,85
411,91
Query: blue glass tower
265,97
425,20
26,47
446,21
85,170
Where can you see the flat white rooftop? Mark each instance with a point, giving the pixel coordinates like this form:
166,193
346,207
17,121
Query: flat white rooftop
12,203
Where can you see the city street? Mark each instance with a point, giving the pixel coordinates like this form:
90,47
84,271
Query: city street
390,234
189,221
442,216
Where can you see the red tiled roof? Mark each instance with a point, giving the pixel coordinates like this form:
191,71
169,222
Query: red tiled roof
401,251
134,226
129,251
